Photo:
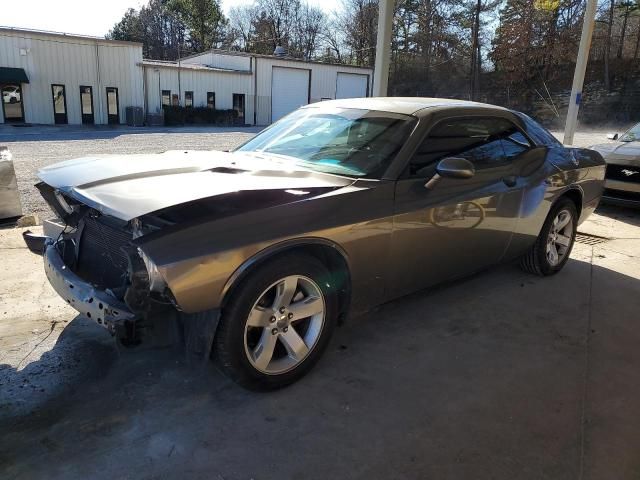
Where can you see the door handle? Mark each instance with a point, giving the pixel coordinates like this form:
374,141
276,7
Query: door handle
510,181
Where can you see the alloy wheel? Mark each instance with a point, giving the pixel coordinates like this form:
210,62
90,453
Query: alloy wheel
284,324
559,238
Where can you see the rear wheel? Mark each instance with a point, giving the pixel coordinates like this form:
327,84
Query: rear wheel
277,323
553,246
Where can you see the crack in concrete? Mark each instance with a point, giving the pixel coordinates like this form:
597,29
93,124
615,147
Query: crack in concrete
583,416
609,249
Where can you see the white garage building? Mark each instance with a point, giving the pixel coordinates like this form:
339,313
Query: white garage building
48,78
263,87
56,78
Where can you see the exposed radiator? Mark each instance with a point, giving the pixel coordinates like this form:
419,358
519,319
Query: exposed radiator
100,258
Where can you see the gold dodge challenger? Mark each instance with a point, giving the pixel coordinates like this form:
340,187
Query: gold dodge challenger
256,254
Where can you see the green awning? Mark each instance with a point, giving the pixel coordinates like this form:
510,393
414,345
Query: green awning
13,75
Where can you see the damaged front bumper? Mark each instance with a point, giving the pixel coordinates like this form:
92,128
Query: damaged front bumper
96,304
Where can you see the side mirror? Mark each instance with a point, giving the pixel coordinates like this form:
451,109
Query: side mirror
453,167
612,136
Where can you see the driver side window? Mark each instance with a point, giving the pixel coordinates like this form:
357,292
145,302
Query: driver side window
486,142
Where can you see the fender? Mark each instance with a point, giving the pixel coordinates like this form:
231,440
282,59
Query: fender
273,250
570,189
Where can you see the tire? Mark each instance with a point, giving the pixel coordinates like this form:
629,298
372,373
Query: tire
252,324
538,260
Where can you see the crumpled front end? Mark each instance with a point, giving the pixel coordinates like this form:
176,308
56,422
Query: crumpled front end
95,267
97,304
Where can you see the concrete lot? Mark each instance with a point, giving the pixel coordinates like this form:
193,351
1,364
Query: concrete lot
501,376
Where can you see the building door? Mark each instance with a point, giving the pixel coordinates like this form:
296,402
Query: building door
86,105
12,107
352,85
113,106
59,104
289,90
238,107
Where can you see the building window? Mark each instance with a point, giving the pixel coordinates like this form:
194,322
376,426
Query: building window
12,103
238,106
86,104
188,99
211,100
59,103
113,106
166,97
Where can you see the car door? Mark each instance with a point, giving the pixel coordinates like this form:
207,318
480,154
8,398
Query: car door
444,227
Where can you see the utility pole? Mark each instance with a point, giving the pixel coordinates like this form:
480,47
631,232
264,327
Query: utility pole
179,85
383,48
581,68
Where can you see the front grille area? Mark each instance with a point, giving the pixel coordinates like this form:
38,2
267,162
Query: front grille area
100,258
623,173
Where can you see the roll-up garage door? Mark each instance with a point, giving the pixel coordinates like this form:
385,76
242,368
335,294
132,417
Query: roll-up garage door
289,90
351,85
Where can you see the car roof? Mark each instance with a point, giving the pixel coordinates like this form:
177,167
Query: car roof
403,105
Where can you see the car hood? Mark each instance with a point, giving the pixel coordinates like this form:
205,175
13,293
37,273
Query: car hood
128,186
618,150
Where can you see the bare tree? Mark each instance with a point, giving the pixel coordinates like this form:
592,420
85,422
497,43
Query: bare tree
359,24
333,40
240,31
628,7
281,17
308,30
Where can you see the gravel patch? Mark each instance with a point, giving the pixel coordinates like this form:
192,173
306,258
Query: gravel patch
32,151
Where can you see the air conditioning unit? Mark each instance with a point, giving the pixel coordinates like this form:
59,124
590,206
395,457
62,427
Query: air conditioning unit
135,116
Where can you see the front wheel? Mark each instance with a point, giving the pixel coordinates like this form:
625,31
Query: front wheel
553,246
277,323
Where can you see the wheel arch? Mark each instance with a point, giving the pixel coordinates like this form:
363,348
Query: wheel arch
576,195
332,255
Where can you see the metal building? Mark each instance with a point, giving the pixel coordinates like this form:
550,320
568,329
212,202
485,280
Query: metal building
167,83
280,85
58,78
48,78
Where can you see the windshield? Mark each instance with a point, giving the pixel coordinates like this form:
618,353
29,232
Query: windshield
343,141
631,135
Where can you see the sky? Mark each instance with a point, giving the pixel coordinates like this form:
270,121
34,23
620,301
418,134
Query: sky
90,17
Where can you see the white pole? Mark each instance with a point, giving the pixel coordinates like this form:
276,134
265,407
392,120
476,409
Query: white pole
581,67
383,48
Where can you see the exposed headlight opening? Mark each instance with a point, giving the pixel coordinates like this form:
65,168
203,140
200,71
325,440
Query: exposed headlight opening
156,281
63,202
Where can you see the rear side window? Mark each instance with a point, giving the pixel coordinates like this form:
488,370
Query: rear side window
486,142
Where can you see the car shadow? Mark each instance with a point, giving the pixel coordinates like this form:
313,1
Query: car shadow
82,351
628,215
481,379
